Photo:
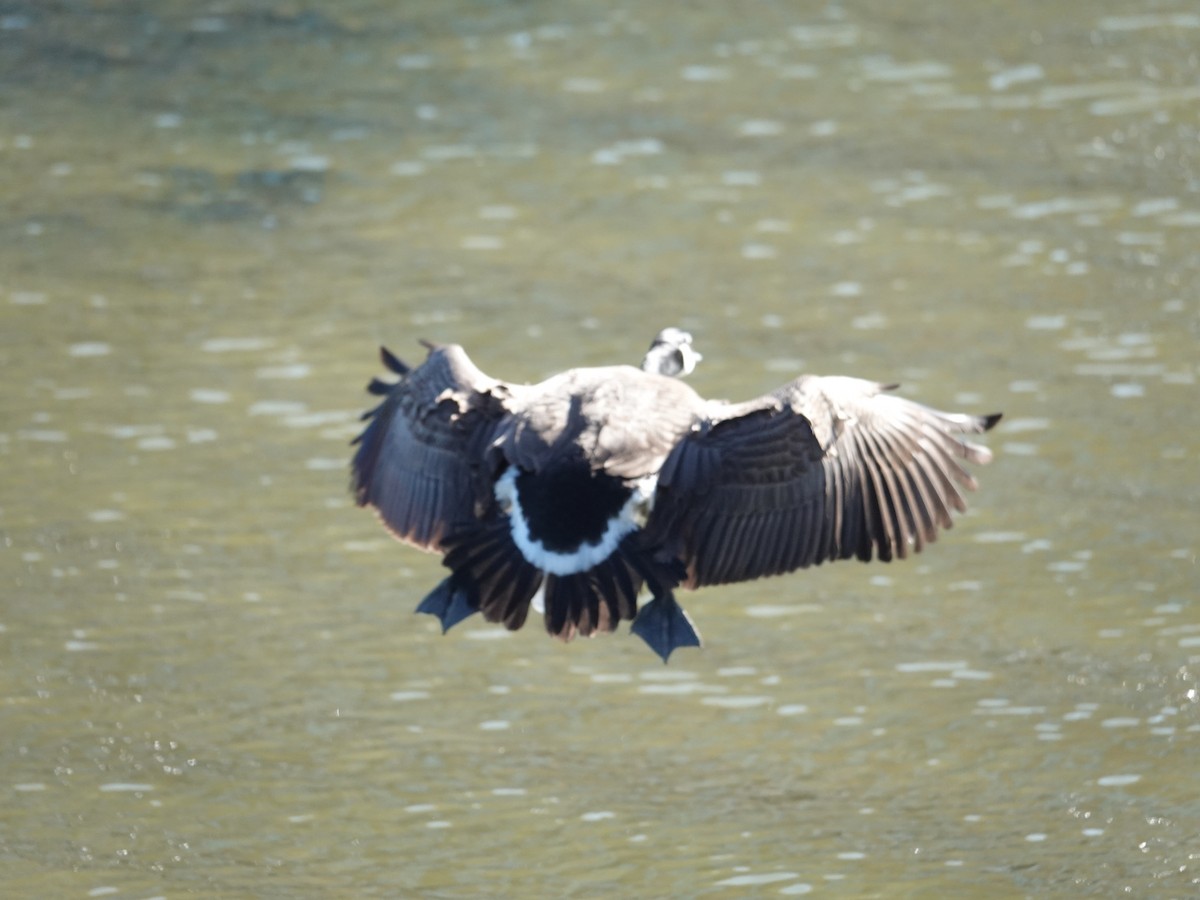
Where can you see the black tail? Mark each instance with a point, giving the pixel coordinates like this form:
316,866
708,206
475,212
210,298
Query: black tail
591,601
491,576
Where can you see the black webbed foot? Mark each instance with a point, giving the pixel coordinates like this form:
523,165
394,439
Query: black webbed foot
664,625
451,601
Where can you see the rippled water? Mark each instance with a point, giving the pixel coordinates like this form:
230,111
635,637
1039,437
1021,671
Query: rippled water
212,680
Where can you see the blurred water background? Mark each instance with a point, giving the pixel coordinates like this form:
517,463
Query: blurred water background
211,679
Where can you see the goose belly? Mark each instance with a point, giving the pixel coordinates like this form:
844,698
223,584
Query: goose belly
570,519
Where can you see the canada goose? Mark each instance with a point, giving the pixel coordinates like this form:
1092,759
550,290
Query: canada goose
583,488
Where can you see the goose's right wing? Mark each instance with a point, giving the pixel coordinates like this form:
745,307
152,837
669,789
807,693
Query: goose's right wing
420,460
821,469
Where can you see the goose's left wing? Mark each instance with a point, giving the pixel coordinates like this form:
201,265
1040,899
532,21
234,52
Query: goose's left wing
823,468
420,461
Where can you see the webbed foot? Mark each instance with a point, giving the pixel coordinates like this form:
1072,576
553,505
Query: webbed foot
664,625
451,601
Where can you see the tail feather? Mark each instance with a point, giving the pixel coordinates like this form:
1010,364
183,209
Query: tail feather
490,575
617,587
503,582
513,610
592,601
563,605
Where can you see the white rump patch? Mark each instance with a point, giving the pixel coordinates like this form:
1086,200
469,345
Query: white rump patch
588,555
539,600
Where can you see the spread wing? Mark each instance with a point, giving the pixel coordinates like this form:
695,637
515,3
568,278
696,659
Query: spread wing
823,468
420,459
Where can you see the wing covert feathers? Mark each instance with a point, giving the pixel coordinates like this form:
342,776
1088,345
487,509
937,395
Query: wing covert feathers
420,460
820,469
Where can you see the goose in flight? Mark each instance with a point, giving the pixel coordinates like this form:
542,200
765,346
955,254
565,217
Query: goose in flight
575,493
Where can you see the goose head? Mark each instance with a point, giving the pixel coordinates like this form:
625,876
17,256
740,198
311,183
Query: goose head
671,354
